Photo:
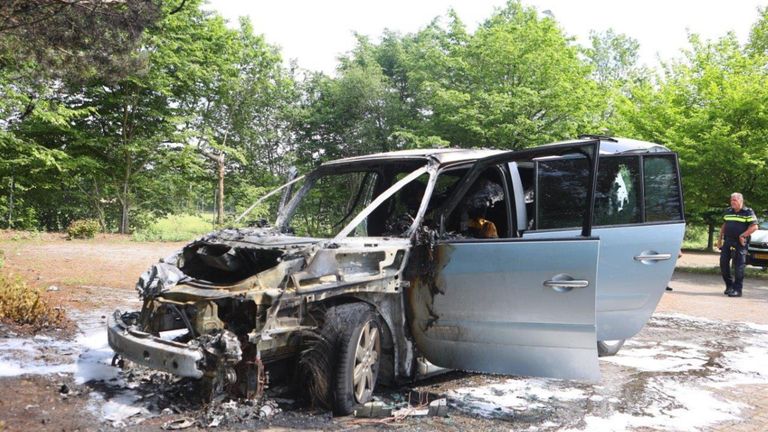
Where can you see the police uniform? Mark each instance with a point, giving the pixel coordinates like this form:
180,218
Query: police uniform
735,223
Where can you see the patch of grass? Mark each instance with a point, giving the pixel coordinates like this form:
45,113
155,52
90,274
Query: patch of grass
75,281
695,237
23,305
174,228
749,272
22,235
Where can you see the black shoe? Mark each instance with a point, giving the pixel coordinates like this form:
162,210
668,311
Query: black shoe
734,293
728,291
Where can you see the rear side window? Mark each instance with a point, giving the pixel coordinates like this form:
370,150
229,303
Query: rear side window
662,189
629,190
618,194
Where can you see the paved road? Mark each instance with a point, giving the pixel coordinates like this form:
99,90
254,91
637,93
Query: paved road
701,295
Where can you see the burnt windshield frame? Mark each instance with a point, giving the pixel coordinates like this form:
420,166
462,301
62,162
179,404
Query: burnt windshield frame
379,166
588,148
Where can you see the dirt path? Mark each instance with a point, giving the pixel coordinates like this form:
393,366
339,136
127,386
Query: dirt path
79,268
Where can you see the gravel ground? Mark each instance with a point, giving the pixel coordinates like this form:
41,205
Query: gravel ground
700,364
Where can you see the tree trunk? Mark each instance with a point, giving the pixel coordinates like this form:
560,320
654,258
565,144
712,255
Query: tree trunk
710,235
124,216
125,201
99,208
10,205
220,198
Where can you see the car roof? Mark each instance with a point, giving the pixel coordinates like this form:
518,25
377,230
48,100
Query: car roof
616,145
441,155
445,156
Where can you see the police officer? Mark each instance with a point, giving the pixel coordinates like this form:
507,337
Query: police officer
738,223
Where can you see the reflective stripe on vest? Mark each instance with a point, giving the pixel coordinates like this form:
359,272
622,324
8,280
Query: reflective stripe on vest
735,218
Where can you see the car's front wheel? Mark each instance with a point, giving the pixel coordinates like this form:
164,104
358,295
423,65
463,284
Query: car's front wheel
609,348
359,358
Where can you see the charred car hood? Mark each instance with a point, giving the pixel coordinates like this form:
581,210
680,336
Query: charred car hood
229,259
256,237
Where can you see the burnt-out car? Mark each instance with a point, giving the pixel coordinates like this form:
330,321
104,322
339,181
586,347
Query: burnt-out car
379,267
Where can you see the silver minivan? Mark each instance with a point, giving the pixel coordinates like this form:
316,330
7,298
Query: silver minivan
379,268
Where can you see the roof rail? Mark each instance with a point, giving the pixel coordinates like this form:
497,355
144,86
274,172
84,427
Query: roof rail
595,136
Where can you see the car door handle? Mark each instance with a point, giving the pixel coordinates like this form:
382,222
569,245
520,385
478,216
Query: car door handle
653,257
575,283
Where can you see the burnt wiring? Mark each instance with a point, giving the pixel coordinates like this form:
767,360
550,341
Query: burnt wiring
184,318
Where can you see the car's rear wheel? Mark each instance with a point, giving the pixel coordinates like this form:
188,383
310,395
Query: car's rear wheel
609,348
359,358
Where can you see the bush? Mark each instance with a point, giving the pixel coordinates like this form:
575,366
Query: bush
20,304
174,228
695,237
83,229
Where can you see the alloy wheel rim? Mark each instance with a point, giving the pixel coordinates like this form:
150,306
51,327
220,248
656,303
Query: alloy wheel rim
366,362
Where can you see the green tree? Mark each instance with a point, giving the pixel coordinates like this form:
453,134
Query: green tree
614,60
613,56
231,91
758,35
45,47
35,122
517,81
711,108
74,39
347,116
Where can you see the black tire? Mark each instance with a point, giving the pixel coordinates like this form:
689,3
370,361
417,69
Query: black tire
359,350
609,348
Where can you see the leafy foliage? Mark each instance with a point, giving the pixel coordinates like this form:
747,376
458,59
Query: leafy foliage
515,82
710,108
23,305
83,229
136,110
74,39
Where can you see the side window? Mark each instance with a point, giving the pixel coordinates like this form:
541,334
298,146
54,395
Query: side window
562,193
445,185
662,189
617,193
482,211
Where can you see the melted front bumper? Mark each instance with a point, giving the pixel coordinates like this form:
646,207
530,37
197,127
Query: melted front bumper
153,352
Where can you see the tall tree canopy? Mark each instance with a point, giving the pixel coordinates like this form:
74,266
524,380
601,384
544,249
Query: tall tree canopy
515,82
75,38
123,147
126,110
711,106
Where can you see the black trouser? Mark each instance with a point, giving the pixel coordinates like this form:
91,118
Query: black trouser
732,249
